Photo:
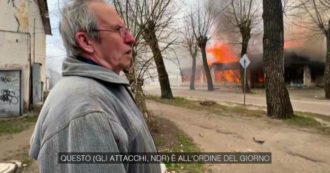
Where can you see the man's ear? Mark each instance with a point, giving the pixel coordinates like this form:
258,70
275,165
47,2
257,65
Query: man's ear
84,43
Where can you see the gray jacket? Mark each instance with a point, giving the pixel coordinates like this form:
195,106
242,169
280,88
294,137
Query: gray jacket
90,110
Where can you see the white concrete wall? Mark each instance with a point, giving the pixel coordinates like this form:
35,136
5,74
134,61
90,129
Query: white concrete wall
14,15
12,59
17,40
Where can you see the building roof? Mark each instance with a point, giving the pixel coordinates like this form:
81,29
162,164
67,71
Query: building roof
43,7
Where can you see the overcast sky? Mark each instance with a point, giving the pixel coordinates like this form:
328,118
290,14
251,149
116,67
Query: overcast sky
55,52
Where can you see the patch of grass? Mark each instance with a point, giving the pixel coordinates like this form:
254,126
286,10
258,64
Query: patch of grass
169,138
159,142
16,125
24,156
302,121
11,127
179,101
322,117
185,144
216,108
31,118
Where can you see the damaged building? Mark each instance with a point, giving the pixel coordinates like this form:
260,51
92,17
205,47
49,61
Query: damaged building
300,70
23,29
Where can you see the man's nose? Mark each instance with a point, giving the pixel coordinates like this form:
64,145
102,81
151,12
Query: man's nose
129,39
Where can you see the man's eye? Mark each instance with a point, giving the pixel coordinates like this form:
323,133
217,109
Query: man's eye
118,28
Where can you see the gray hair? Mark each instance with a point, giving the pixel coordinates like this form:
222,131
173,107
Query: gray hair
76,17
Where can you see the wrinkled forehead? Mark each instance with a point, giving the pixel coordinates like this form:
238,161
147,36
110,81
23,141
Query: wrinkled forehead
105,14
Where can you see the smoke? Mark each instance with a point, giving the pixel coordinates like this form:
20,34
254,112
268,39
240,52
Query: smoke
301,35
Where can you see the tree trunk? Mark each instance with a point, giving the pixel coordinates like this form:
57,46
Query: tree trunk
326,77
141,101
151,39
193,54
246,35
202,45
193,72
136,87
277,96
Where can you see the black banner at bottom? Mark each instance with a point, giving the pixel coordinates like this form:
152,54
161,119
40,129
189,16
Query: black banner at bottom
219,157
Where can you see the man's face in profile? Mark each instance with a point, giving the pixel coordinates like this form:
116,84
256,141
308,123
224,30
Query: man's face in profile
115,48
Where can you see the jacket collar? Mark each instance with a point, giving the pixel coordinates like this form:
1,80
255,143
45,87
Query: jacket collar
74,67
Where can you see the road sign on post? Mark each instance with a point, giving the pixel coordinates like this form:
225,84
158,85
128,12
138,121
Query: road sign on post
245,62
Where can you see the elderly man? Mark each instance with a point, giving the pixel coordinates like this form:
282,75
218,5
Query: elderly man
91,108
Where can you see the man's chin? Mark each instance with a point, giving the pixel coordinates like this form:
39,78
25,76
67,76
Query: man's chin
127,68
126,71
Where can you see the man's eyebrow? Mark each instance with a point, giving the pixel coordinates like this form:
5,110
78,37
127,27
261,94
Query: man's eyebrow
118,25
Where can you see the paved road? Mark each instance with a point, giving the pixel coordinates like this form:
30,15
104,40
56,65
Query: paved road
305,100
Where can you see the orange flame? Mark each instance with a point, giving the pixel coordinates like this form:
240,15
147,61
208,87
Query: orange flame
261,78
291,44
227,76
222,53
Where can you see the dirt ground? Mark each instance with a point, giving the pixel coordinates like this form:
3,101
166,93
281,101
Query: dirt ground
16,147
14,142
293,149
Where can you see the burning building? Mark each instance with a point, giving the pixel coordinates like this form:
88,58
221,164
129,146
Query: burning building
224,66
223,63
299,69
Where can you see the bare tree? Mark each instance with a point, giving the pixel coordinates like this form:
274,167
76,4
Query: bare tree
152,17
201,21
136,74
244,15
319,13
277,95
190,43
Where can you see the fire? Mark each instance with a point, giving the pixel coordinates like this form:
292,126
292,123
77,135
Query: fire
222,53
291,44
227,76
261,78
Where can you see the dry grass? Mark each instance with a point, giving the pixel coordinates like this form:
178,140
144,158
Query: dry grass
301,119
169,138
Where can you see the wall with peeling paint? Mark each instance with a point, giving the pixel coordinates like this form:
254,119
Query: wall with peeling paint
40,38
17,40
12,59
14,15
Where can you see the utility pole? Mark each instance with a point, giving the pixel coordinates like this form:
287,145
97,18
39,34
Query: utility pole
32,63
34,40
